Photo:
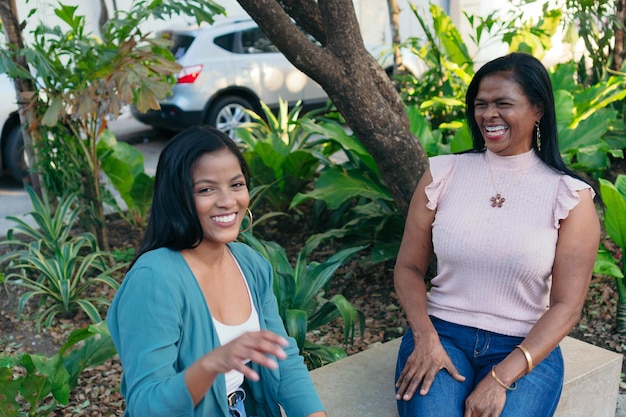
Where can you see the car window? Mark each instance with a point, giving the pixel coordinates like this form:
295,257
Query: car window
226,42
254,41
180,43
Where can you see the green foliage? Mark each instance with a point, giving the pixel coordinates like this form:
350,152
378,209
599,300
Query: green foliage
34,385
438,92
281,152
586,122
614,199
593,23
57,267
48,230
300,294
525,34
124,166
358,205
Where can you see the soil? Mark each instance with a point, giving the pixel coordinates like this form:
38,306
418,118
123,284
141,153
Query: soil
368,287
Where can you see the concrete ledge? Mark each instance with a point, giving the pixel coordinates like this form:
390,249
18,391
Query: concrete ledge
362,384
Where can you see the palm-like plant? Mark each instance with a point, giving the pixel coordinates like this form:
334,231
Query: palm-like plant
62,280
49,228
55,265
302,306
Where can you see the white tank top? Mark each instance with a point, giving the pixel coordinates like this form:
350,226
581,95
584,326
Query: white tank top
226,333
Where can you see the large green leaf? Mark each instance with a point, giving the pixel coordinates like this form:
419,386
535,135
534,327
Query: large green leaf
588,131
315,279
296,325
615,212
9,388
606,264
450,37
336,185
56,374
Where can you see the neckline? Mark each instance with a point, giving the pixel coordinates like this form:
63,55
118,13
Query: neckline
521,161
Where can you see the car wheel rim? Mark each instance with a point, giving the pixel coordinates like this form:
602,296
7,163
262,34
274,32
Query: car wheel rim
230,118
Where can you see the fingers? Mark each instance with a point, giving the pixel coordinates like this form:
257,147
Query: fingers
419,374
257,347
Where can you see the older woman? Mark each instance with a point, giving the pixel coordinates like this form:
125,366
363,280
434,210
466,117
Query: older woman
515,234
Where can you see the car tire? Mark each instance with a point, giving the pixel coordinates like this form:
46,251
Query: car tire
14,155
227,114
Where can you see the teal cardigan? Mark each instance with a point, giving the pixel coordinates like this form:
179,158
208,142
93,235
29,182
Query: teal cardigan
160,324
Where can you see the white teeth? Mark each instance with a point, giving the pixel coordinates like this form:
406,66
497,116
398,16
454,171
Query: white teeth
224,219
494,128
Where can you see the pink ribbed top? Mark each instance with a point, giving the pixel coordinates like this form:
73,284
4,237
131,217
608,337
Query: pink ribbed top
494,263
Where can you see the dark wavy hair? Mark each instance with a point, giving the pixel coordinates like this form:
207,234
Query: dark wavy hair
530,74
173,221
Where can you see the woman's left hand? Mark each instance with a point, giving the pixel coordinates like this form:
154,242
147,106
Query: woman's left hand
487,399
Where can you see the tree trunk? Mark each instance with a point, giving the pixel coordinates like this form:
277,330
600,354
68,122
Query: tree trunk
353,80
619,29
394,23
25,90
104,15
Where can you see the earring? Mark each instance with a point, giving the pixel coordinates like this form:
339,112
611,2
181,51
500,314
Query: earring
538,135
249,226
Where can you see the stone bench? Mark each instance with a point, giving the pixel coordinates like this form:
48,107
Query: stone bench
362,384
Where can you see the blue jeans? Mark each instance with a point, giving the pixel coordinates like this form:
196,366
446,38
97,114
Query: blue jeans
238,409
474,352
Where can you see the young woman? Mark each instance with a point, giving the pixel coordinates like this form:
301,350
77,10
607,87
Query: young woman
195,321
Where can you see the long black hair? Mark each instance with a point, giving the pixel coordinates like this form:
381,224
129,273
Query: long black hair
530,74
173,221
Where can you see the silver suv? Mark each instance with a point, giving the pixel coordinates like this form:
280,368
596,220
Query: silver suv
227,67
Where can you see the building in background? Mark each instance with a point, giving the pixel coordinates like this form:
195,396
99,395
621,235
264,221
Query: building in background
372,14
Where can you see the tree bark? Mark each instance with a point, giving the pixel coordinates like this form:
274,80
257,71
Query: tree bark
394,24
24,88
104,15
619,29
357,85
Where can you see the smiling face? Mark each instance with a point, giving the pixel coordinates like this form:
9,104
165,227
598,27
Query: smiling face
220,195
504,115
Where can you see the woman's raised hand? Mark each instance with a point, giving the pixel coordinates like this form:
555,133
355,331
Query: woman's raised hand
253,346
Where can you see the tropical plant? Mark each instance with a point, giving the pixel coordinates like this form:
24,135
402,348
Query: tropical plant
61,281
282,153
48,229
54,265
34,385
590,131
358,205
614,199
123,165
299,290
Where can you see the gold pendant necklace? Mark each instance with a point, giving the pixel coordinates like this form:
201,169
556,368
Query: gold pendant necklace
498,200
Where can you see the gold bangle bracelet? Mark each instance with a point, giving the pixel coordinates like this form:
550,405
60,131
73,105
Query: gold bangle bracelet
529,359
502,384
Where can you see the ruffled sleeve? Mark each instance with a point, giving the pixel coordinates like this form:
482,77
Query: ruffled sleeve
441,169
567,197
